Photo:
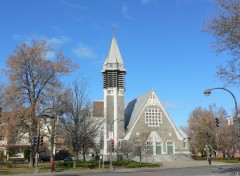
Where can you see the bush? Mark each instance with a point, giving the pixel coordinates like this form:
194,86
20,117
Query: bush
91,165
94,164
83,164
121,163
65,164
87,164
133,164
8,164
228,160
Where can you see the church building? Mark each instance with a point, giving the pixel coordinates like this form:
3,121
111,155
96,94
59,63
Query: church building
144,120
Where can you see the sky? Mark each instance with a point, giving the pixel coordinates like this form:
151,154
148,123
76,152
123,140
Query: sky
162,44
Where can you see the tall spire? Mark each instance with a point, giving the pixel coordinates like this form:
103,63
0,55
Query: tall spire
114,59
113,29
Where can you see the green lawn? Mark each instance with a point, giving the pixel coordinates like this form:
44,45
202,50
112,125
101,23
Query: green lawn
66,166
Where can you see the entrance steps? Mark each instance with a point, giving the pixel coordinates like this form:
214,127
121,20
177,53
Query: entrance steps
162,158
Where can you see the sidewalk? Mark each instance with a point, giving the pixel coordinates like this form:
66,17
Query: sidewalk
177,164
191,163
185,164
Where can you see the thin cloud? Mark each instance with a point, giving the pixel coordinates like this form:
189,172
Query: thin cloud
125,11
51,54
147,1
53,41
71,5
83,51
58,41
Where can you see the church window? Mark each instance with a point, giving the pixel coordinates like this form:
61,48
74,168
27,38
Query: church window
149,143
153,117
184,144
110,92
149,148
121,92
138,142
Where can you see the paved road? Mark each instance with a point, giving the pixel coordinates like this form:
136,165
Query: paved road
177,168
195,171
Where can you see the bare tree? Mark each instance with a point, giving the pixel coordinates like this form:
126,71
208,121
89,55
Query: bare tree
202,128
224,26
140,146
31,73
227,139
81,129
127,148
53,110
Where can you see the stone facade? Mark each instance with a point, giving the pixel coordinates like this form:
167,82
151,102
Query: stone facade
153,121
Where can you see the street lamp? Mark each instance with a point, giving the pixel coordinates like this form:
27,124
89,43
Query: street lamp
209,91
110,160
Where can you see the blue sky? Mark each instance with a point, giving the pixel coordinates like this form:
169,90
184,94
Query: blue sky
161,42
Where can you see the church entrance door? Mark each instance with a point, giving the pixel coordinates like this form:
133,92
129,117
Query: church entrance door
150,147
158,148
170,148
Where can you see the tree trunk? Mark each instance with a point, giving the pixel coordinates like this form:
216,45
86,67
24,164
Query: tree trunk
84,156
52,138
75,160
31,159
140,156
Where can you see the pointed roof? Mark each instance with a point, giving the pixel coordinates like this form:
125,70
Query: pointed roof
114,59
134,108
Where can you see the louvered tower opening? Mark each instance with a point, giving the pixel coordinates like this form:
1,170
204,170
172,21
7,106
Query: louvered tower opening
113,78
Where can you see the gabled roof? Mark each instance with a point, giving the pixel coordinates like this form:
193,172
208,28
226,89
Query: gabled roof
134,108
114,59
184,135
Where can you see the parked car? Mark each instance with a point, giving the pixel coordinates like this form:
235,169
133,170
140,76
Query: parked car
44,159
17,155
17,158
68,158
61,155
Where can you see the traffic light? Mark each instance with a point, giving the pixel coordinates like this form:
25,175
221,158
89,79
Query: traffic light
35,140
112,145
41,141
217,122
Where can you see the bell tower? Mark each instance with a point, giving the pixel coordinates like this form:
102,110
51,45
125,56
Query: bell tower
113,73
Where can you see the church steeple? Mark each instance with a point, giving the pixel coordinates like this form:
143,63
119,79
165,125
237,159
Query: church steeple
113,68
113,73
114,59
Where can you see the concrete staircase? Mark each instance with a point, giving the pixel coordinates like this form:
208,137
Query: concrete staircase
162,158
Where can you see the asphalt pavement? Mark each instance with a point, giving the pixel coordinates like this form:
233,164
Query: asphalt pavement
163,165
